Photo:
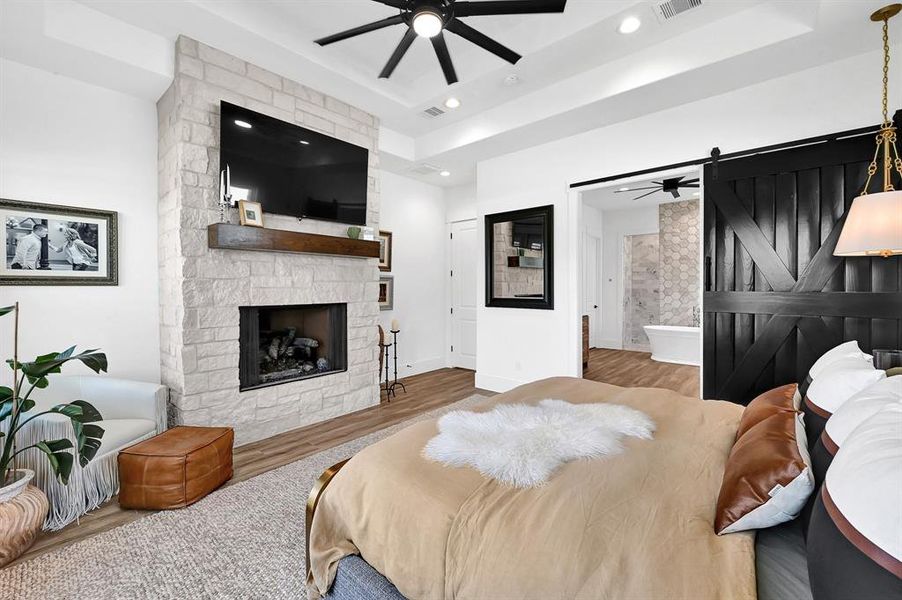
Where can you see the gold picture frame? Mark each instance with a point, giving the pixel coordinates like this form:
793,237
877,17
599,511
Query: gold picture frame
250,213
385,250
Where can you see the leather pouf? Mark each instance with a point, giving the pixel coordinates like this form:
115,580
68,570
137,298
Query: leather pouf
20,521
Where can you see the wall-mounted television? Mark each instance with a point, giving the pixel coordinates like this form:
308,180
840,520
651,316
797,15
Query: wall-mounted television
291,170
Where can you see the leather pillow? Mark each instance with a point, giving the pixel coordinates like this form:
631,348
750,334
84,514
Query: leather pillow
768,474
779,399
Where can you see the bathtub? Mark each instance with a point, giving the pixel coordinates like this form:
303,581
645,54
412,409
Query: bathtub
674,344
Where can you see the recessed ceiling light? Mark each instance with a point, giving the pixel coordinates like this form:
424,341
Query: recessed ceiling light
511,79
445,173
624,189
305,142
452,102
629,25
244,124
427,23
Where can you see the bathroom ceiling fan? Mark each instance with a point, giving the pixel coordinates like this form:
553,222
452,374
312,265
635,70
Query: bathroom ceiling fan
671,185
430,18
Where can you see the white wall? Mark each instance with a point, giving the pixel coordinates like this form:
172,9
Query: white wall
460,202
415,214
615,225
833,97
66,142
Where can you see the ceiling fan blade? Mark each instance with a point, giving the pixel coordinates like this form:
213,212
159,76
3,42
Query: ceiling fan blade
480,39
652,187
393,3
398,54
444,58
337,37
508,7
689,181
675,192
690,185
644,195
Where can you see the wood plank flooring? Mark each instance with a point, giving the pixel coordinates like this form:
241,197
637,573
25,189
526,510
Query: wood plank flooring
424,393
637,369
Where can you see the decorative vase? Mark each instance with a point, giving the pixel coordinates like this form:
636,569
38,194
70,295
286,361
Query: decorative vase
17,486
354,232
20,519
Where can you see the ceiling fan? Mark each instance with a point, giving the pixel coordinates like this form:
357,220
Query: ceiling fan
671,185
430,18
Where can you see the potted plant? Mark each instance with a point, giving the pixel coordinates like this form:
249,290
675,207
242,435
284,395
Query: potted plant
15,404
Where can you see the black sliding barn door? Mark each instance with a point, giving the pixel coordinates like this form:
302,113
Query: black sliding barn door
775,296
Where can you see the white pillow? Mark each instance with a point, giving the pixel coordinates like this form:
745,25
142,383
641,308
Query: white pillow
861,406
834,387
849,352
865,480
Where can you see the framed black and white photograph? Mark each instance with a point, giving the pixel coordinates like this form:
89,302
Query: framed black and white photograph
251,213
386,292
48,244
384,239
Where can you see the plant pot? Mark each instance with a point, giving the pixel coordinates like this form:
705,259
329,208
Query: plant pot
20,521
21,477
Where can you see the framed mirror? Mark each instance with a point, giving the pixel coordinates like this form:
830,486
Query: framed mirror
519,255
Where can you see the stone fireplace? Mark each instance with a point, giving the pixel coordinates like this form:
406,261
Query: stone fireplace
207,295
279,344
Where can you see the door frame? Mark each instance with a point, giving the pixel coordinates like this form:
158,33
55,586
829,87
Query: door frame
449,287
574,255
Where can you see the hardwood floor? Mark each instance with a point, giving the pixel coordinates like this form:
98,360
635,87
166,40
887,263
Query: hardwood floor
424,393
637,369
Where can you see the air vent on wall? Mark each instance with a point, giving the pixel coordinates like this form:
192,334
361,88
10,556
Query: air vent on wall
671,8
424,169
433,112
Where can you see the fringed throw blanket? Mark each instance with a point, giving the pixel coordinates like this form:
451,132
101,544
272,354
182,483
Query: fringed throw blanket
634,525
522,445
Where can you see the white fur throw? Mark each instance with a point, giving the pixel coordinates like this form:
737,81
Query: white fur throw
522,445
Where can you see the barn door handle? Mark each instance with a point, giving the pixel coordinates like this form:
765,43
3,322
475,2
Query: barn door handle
707,273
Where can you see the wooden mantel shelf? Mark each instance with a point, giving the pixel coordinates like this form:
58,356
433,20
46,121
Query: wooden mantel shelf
226,236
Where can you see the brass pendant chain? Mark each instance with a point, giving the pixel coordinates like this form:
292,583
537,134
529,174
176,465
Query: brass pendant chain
886,138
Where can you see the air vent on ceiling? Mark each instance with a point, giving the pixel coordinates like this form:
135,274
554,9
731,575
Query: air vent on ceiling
424,169
671,8
433,112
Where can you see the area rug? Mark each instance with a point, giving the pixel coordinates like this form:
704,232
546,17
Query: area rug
243,541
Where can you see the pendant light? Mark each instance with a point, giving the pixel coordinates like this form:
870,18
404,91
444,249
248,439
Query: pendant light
873,224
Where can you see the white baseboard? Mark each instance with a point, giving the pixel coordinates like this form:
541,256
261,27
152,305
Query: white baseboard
494,383
610,343
421,366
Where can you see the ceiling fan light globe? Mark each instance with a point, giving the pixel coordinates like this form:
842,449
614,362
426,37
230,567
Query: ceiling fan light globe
427,23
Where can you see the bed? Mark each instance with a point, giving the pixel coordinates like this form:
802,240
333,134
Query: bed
392,524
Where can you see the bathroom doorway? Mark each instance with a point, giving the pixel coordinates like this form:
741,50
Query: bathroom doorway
645,329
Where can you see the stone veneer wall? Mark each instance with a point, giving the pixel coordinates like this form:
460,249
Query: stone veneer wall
201,289
679,272
641,289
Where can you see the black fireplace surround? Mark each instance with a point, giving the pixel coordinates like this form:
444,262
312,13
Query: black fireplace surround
279,344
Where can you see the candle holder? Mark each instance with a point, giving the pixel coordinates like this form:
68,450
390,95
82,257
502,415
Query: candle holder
387,387
395,383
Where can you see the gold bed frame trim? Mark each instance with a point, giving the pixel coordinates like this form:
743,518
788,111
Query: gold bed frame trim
316,493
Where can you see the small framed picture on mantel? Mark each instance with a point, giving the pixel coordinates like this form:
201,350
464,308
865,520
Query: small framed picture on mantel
50,244
250,213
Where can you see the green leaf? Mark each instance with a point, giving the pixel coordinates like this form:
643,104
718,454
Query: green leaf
93,431
57,445
5,310
88,414
70,410
6,408
52,363
5,393
60,461
89,440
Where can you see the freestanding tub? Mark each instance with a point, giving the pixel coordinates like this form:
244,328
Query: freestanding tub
673,344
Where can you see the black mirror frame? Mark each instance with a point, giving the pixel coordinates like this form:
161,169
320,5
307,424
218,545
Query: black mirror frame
545,303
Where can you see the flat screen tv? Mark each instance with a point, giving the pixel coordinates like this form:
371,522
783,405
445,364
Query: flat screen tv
293,171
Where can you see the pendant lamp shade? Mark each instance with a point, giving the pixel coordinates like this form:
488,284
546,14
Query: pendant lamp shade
873,226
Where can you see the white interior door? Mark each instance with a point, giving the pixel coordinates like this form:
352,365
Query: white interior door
591,285
464,254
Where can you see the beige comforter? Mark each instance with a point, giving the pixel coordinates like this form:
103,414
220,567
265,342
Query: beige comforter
631,526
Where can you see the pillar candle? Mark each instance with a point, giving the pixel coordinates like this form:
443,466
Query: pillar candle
395,326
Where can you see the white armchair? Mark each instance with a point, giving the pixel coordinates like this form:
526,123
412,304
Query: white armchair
132,411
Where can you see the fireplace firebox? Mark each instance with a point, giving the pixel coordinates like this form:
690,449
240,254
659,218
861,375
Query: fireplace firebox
279,344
